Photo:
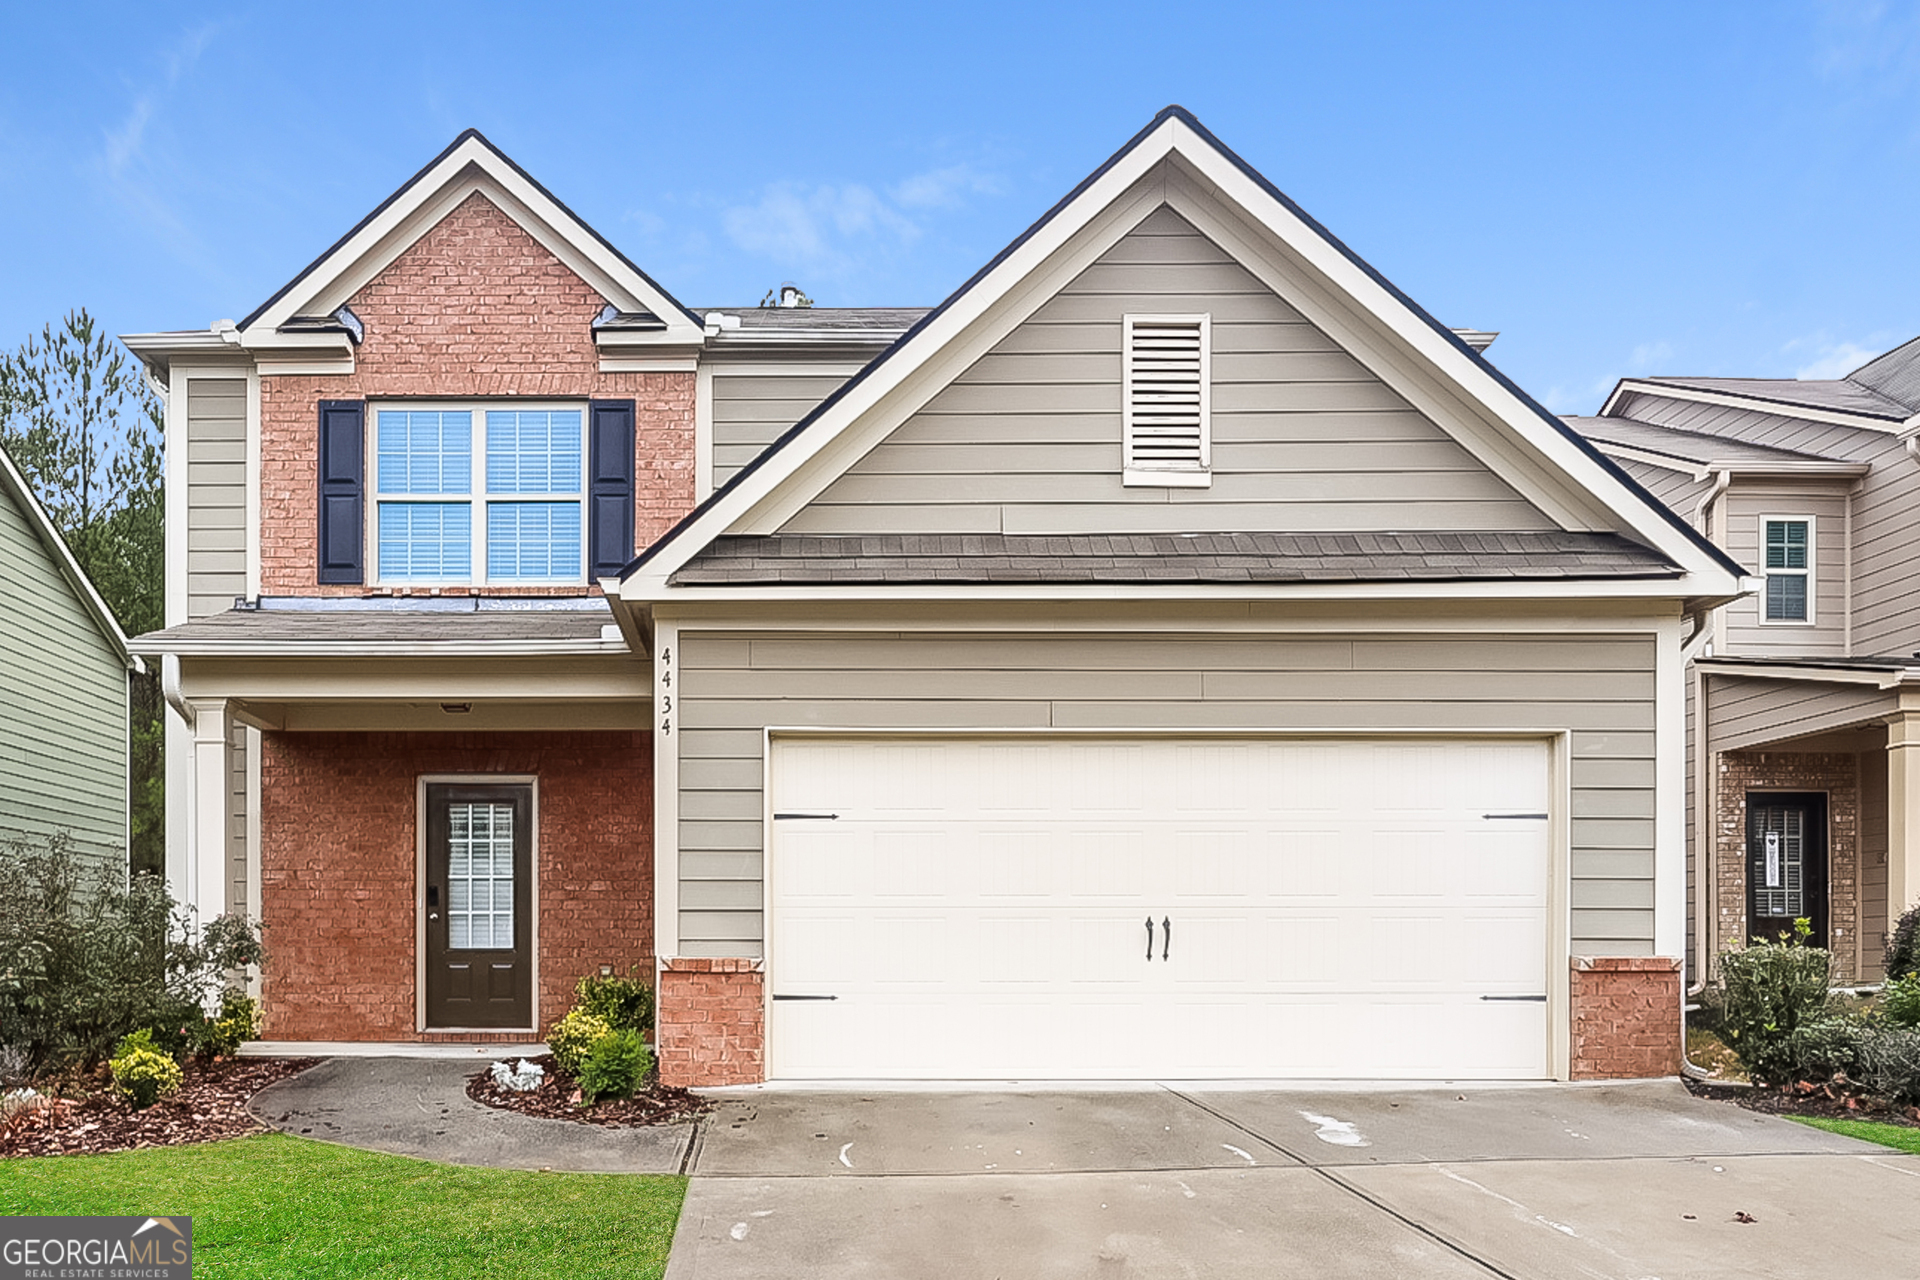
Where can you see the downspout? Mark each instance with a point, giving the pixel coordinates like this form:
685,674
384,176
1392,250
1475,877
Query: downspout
170,687
1705,859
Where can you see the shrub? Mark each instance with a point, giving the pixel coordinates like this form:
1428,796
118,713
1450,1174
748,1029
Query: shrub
239,1022
1770,990
1900,1001
615,1067
1890,1064
624,1003
1903,944
141,1073
573,1037
87,957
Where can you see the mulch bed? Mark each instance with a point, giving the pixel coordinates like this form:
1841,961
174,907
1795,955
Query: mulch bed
558,1099
1822,1102
88,1119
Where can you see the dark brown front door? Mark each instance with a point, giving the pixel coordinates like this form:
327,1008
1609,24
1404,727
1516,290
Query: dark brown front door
1786,865
479,896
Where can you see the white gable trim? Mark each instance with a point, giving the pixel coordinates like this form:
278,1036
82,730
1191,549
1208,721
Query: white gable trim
1579,488
471,165
1759,404
16,484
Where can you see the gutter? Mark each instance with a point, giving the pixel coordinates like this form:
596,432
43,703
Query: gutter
170,687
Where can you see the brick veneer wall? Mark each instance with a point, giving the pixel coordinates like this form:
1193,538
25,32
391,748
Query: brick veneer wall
1838,775
712,1023
338,868
1626,1017
476,307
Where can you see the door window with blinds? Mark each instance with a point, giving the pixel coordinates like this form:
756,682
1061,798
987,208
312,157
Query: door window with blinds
1786,864
475,494
480,875
1787,553
1167,400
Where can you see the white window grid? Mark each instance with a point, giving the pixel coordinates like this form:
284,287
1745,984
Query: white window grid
1810,574
476,498
480,876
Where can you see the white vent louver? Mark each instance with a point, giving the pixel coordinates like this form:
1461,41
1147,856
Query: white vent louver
1167,399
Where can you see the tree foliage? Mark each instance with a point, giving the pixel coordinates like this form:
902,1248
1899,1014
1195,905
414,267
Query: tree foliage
80,422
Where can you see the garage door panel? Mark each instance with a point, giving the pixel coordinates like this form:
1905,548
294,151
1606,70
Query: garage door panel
1338,908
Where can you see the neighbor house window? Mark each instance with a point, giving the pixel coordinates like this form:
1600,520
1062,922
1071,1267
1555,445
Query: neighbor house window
1788,555
1167,400
479,494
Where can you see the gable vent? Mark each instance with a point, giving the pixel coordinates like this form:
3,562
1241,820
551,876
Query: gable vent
1167,400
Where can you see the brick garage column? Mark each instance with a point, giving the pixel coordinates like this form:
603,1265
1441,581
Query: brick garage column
711,1023
1626,1017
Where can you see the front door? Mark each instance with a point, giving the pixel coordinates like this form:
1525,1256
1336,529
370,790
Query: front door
1786,865
478,904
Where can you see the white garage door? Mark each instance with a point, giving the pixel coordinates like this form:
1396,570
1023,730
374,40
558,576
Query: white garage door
1073,908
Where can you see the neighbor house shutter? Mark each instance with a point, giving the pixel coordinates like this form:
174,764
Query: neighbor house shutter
1167,397
609,487
343,455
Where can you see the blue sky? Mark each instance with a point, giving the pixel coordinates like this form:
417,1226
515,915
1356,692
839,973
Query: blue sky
1619,188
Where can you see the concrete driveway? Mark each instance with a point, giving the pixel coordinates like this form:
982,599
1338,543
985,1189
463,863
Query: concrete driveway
1626,1182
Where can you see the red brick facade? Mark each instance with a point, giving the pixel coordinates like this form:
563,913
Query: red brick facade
1626,1017
712,1023
476,307
338,868
1836,774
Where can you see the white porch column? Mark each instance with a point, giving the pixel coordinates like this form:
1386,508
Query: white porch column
205,885
1903,815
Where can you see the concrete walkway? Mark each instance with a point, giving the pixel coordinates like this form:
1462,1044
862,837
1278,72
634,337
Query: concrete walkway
1628,1182
419,1107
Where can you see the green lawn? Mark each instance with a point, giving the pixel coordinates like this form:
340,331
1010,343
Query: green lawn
1897,1136
274,1206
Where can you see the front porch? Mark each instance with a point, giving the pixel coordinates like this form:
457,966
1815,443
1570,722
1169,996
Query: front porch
1806,804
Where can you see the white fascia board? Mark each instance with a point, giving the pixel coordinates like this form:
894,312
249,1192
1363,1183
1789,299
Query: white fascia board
1674,589
1815,468
158,351
16,484
379,648
1761,404
798,469
1883,679
471,166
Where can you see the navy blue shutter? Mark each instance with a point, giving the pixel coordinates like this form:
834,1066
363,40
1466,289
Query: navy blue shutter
609,487
343,454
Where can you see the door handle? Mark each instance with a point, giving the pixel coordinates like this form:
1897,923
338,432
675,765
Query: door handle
433,915
1166,936
1149,937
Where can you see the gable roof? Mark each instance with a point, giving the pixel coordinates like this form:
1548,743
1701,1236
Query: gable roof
1562,456
1694,451
15,484
470,160
1883,394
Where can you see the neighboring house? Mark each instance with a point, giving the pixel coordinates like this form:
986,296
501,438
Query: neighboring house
63,690
1175,655
1804,769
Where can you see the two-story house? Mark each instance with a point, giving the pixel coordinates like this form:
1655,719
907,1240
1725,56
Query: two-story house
1804,763
1175,654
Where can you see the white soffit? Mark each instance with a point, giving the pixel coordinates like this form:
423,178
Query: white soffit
1431,367
472,164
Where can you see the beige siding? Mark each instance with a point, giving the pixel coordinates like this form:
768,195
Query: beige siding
63,705
1028,440
735,686
216,493
751,411
1873,865
1744,712
1748,504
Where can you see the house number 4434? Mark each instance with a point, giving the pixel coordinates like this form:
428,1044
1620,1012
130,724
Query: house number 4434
666,691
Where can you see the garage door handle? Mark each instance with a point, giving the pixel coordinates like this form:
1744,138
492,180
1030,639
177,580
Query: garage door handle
1517,817
781,997
1524,999
1166,936
1149,937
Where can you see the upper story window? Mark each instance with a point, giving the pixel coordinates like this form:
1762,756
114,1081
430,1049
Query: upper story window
479,494
1167,400
1787,551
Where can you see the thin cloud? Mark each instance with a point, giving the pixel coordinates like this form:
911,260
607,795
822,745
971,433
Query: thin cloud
123,144
945,188
1835,361
1648,356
